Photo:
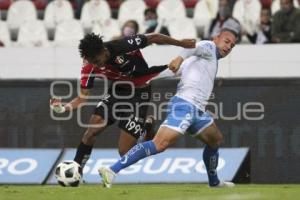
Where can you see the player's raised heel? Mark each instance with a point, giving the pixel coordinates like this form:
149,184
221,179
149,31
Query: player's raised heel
223,184
107,175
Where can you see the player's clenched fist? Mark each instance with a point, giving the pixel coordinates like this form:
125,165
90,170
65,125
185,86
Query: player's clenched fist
188,43
56,105
175,64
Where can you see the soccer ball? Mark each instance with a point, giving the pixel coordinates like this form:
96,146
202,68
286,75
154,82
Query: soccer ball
68,173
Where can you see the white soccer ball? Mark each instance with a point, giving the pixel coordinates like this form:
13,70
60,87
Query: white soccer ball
68,173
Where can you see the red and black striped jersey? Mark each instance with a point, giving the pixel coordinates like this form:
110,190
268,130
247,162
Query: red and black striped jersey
126,63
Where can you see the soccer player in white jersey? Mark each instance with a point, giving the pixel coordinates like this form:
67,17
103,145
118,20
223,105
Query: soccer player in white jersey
186,113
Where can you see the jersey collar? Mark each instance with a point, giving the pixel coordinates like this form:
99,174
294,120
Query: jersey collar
218,54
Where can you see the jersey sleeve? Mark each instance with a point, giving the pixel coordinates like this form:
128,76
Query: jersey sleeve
87,76
204,50
127,44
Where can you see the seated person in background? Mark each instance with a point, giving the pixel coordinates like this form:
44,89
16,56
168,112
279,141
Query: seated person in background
151,22
263,32
286,23
129,28
224,15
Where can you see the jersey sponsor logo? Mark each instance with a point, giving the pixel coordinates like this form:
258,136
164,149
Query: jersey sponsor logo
138,41
148,152
119,60
140,120
188,116
105,98
184,126
130,41
124,160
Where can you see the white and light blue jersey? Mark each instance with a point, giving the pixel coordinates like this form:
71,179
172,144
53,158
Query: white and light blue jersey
198,72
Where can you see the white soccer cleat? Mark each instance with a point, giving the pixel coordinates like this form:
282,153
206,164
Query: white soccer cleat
224,184
107,175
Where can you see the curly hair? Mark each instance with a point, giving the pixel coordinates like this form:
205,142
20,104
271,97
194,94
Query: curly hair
90,46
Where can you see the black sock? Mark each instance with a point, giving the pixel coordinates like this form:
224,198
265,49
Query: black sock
149,127
83,154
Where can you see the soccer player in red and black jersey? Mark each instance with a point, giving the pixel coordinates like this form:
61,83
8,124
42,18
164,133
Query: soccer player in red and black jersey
117,60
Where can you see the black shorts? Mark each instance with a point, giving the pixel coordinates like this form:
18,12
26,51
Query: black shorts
128,106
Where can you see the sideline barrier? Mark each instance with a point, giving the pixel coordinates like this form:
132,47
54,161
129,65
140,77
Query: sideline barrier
36,166
171,166
26,166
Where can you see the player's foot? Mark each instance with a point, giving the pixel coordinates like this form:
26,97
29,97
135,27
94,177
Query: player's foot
107,175
224,184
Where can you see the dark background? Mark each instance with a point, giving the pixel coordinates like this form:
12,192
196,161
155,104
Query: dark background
274,141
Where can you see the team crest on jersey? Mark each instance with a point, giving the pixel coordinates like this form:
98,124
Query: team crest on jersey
119,60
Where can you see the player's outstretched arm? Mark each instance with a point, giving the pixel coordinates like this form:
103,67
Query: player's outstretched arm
57,106
157,38
202,50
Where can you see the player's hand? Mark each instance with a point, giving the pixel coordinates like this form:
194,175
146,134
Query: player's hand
175,64
188,43
56,105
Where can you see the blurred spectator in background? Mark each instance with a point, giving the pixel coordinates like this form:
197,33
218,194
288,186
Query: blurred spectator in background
1,44
247,12
286,23
130,27
224,16
78,7
231,3
263,32
152,24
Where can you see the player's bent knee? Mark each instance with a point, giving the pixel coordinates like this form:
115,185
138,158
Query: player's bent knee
89,136
97,125
161,145
216,141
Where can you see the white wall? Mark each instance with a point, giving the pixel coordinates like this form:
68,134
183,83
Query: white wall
245,61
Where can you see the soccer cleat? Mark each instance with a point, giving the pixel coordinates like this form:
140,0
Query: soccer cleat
107,175
224,184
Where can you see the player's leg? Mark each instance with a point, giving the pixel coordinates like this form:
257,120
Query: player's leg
162,140
101,118
84,150
126,142
136,125
178,120
165,137
212,137
142,112
127,139
208,132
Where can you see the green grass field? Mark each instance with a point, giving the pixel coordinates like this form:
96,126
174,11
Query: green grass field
151,192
